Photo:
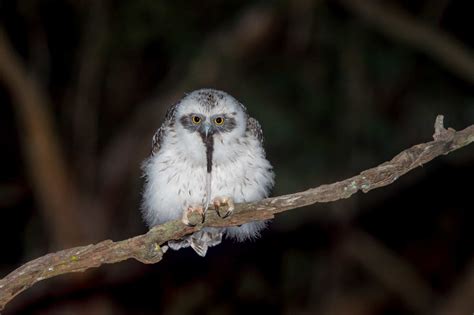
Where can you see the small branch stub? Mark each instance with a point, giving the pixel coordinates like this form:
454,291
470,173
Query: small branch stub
440,132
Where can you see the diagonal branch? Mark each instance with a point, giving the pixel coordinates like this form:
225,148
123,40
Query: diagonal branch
146,248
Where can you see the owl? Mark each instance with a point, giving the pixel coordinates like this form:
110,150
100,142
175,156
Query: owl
207,151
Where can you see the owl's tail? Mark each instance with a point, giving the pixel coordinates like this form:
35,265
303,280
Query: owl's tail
199,241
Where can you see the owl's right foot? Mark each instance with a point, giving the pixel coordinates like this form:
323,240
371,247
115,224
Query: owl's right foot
190,218
224,206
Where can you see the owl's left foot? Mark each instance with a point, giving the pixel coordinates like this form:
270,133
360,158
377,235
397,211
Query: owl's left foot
189,216
224,206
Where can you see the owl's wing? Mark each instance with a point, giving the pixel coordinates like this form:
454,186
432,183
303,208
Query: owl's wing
253,126
161,132
157,139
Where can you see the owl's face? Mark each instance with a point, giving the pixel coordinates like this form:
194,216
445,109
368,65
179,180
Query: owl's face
207,120
211,113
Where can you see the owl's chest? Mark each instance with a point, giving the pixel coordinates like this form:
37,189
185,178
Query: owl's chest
182,177
187,181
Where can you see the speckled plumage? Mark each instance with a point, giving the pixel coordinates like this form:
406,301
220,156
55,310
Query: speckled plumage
176,170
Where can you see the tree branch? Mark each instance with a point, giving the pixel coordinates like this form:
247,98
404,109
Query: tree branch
146,248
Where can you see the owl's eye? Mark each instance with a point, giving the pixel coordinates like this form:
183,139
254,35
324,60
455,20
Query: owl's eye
196,120
219,121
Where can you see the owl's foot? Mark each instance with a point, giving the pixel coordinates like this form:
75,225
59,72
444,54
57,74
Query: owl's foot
224,206
190,216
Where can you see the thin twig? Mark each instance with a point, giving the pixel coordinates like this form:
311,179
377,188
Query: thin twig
146,248
84,93
440,46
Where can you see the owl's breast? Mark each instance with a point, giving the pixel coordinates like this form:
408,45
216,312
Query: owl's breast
241,171
190,147
176,179
173,182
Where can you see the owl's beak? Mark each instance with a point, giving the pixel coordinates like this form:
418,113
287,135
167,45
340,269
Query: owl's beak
207,129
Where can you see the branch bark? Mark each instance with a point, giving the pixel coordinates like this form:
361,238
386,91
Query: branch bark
147,248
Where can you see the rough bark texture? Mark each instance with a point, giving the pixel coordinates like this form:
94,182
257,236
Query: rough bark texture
147,248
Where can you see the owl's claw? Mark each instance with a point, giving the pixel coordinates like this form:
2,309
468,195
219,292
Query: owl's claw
224,202
190,219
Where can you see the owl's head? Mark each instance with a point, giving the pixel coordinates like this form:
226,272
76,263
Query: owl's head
207,123
211,113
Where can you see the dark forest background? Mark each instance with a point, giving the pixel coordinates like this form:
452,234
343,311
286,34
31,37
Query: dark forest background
338,86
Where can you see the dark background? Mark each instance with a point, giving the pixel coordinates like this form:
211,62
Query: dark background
338,86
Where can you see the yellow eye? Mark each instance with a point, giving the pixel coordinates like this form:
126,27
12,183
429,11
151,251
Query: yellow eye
219,121
196,120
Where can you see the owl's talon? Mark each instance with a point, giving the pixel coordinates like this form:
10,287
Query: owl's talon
225,202
190,219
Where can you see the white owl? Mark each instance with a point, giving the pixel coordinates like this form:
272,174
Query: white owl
207,150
